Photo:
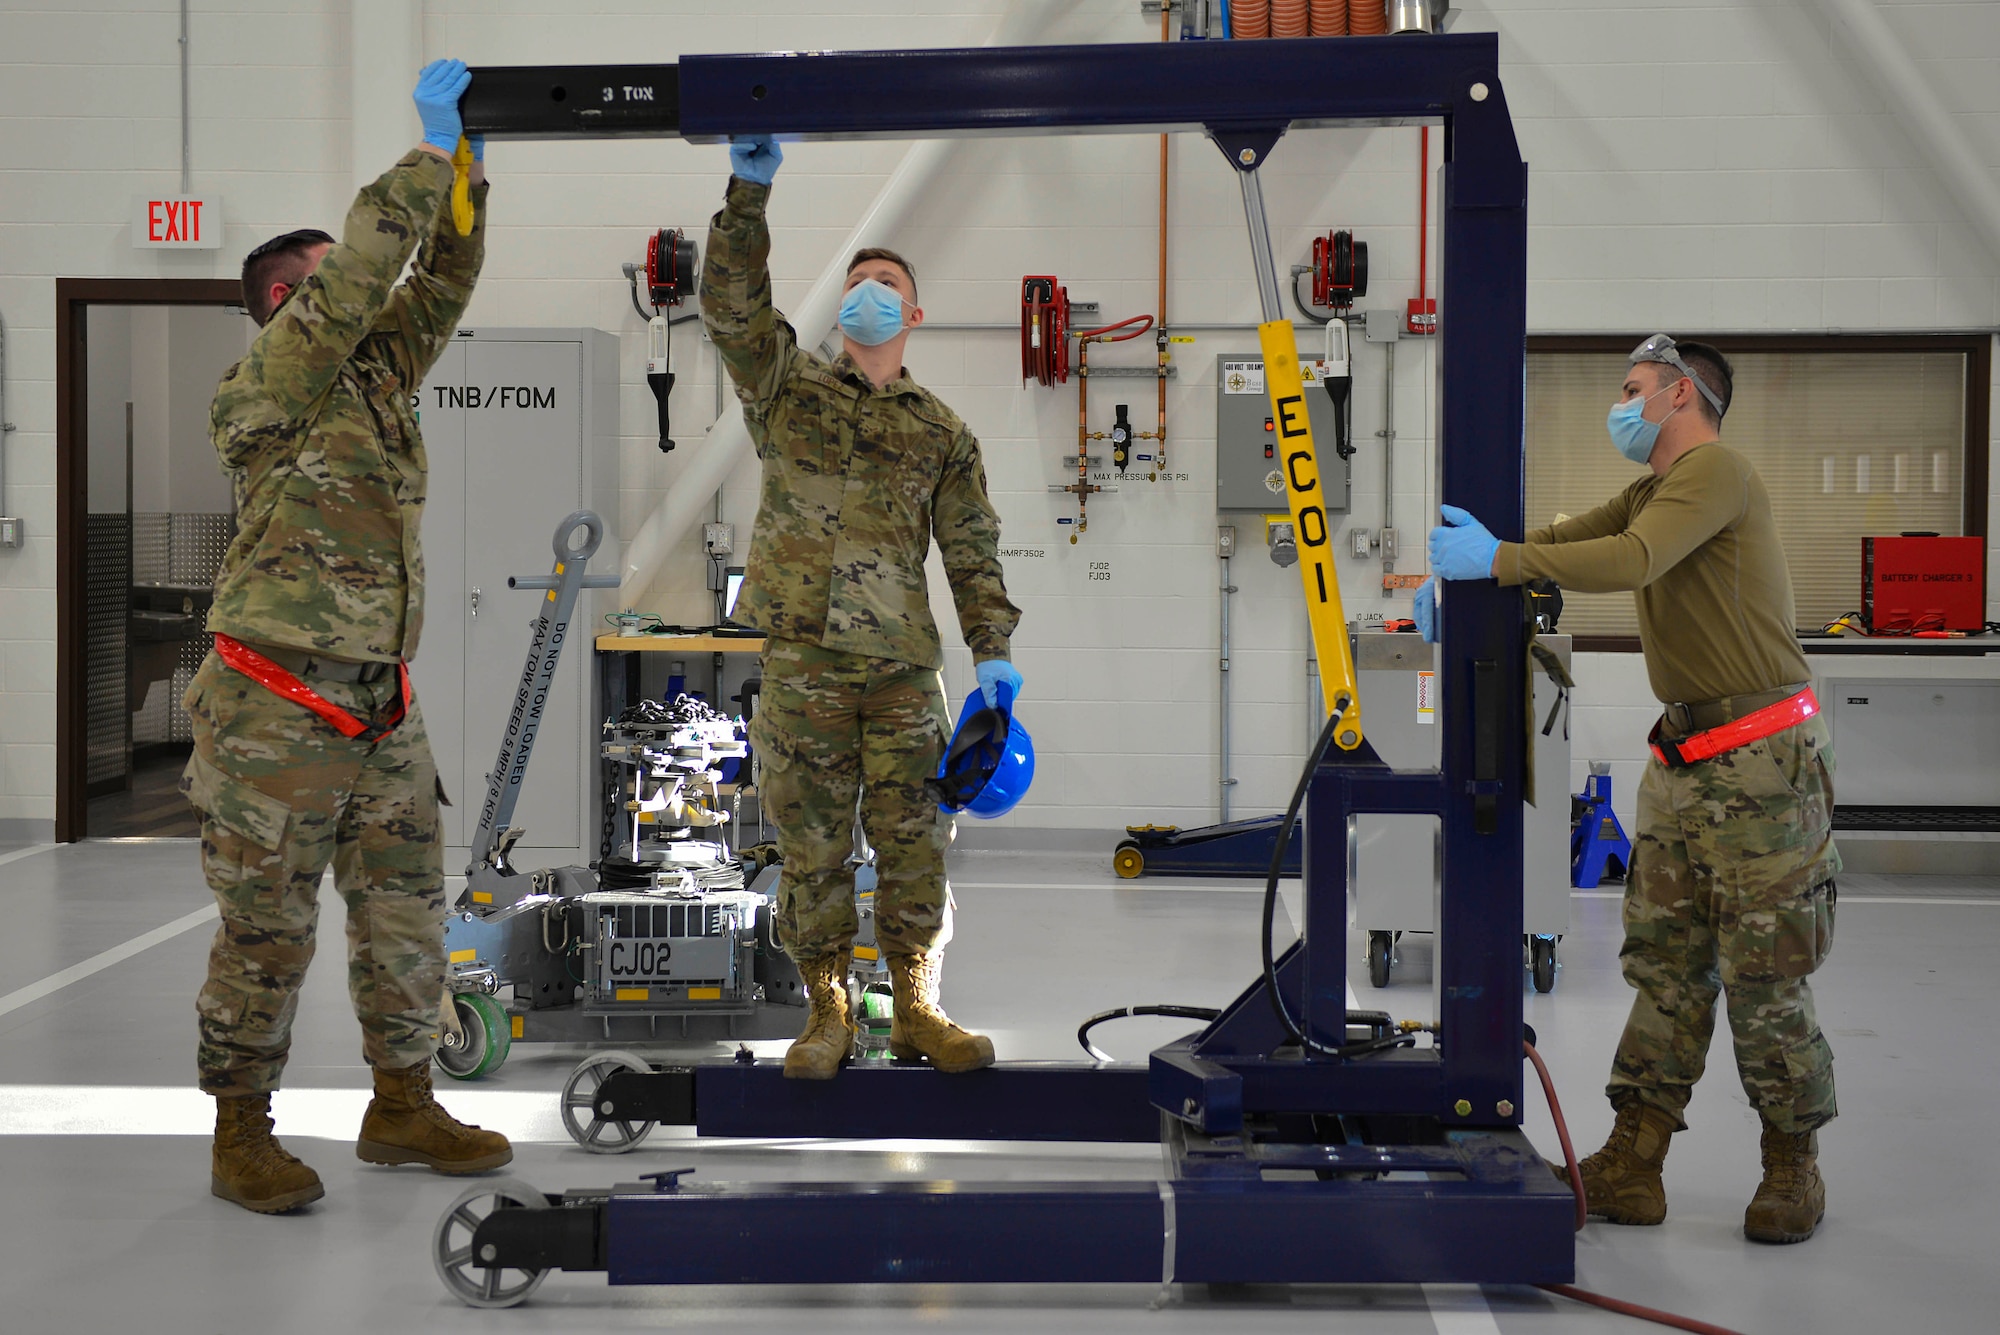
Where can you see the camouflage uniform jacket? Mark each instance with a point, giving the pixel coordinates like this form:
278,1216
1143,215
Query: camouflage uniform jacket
317,430
856,479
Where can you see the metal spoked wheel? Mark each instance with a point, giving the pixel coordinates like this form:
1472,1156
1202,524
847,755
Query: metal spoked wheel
485,1035
582,1118
473,1284
1128,861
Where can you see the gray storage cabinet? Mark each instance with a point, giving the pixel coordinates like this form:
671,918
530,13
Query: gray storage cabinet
521,427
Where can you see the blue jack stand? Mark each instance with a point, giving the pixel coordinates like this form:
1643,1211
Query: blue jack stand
1597,843
1327,1148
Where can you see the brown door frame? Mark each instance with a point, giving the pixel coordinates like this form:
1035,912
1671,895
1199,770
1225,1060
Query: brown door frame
74,296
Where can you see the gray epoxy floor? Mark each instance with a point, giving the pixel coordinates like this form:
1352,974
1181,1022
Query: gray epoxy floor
108,1224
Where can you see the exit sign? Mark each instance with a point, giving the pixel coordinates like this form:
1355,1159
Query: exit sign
177,222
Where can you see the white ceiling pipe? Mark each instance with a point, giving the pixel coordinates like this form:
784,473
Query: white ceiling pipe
688,499
1875,46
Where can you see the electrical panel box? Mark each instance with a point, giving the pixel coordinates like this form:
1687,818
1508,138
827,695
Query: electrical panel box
1247,475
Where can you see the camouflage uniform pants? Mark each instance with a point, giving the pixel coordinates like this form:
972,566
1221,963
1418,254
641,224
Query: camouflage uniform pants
1731,889
281,794
829,726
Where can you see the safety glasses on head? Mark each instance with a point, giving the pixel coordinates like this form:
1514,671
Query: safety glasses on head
1660,348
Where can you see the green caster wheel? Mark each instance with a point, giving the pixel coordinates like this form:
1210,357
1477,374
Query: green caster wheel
488,1034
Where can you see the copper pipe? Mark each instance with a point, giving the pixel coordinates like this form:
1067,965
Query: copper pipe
1082,437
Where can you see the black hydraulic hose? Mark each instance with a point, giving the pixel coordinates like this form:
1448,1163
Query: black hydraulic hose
1292,1030
1202,1013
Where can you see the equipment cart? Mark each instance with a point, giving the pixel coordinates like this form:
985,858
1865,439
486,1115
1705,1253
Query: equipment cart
1396,861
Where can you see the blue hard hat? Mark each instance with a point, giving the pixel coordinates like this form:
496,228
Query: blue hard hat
990,761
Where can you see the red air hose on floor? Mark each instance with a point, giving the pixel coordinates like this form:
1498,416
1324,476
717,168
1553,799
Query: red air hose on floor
1570,1291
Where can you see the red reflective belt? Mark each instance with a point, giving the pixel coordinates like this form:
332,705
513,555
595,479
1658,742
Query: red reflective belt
279,682
1751,727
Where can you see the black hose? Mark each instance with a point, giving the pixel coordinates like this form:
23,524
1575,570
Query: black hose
1202,1013
633,279
1378,1043
1292,1030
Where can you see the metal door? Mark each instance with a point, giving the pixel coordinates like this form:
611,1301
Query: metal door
438,670
523,473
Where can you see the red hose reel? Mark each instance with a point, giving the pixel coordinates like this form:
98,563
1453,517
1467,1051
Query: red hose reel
1339,270
1044,330
671,267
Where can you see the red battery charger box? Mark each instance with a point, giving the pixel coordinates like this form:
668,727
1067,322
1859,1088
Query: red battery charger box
1915,583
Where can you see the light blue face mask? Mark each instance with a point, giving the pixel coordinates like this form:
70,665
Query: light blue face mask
871,313
1631,432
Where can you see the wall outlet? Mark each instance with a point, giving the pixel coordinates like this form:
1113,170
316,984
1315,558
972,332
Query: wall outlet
719,539
1225,541
1364,545
10,533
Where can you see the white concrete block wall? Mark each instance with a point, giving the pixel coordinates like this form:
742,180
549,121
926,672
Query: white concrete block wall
1693,166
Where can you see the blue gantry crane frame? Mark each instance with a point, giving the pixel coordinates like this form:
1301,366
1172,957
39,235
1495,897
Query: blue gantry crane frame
1285,1164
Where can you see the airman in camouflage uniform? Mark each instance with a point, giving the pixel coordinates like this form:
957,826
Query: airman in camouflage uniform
857,478
316,429
1731,889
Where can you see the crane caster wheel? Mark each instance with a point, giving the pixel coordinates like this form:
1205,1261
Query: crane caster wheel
581,1117
1381,954
1542,960
1128,861
471,1283
485,1034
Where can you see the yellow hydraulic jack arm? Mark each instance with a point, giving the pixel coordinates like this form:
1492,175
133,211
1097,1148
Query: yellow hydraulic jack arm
1299,464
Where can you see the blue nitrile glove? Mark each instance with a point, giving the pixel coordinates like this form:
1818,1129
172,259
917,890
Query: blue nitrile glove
991,674
1425,613
755,158
439,87
478,142
1464,550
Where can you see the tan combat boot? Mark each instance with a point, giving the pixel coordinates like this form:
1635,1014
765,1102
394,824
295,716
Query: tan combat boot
920,1028
828,1038
249,1166
1621,1182
1791,1200
404,1124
